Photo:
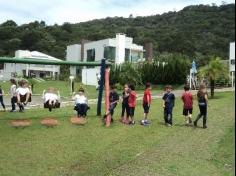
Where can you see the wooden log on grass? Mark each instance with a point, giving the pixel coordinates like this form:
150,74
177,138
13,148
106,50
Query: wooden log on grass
20,123
49,122
78,121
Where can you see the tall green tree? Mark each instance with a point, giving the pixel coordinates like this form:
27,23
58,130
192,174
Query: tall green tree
213,71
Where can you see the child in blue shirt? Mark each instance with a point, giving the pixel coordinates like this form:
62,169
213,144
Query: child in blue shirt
168,105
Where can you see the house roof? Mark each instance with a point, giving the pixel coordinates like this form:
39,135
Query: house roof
36,56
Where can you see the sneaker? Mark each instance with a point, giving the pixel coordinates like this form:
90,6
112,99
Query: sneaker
142,122
132,122
169,125
21,110
127,122
147,121
123,121
204,127
105,116
12,110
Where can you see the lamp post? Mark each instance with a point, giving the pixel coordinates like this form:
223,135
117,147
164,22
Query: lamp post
72,83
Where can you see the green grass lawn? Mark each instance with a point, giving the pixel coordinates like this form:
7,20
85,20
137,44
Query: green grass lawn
64,88
93,150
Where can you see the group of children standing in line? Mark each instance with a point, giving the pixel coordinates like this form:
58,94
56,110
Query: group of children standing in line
22,95
129,97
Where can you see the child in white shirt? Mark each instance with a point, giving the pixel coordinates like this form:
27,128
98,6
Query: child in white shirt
81,103
51,99
23,94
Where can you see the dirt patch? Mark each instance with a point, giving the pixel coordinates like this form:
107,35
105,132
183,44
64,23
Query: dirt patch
49,122
20,123
78,121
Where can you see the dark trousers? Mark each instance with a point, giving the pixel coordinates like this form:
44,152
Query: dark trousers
13,103
168,115
125,108
112,109
81,110
203,113
2,103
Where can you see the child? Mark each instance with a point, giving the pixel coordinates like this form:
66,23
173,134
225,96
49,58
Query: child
13,95
146,103
202,102
51,100
81,103
187,99
132,103
168,104
125,103
1,98
113,99
23,94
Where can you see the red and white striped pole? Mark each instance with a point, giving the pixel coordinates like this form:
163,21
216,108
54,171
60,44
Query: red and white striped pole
107,93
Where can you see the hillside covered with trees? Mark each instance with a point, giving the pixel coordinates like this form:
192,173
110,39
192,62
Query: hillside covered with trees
196,31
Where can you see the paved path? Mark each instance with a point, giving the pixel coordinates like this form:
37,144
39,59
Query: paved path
66,101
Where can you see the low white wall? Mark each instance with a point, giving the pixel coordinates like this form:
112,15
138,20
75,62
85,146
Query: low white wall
89,76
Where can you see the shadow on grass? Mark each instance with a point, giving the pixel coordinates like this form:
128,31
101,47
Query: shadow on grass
187,126
218,95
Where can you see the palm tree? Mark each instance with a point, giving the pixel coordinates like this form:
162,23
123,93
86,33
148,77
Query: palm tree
214,70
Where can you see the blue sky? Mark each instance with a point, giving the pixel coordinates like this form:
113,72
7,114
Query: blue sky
74,11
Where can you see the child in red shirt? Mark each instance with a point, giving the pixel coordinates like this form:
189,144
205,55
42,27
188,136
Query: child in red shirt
147,99
187,99
132,103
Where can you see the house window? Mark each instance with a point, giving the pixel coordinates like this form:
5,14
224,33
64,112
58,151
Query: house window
110,53
91,55
1,66
232,62
127,55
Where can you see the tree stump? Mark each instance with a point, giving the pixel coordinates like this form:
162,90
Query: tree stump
20,123
49,122
78,121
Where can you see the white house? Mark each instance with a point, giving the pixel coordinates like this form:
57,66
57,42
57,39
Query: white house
232,62
9,70
117,50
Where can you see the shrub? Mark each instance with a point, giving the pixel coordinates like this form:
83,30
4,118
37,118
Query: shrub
174,71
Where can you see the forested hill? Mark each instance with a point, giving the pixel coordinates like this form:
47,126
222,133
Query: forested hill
197,31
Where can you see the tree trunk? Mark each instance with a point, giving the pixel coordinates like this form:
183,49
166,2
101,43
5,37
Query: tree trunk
212,85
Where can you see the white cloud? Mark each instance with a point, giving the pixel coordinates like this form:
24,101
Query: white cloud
73,11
